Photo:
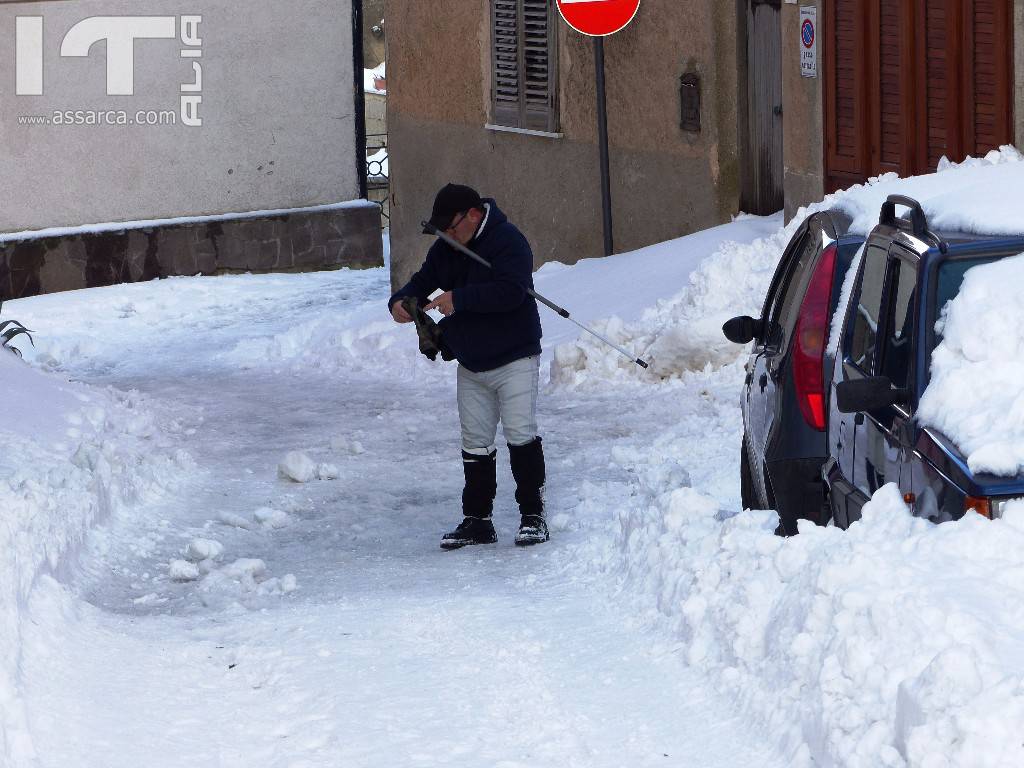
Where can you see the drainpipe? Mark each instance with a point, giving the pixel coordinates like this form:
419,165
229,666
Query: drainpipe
360,95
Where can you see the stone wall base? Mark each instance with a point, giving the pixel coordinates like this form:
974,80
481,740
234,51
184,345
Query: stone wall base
300,240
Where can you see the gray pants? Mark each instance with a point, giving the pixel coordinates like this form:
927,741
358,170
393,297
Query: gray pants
508,394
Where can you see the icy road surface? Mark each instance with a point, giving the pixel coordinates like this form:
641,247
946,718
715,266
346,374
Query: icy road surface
331,630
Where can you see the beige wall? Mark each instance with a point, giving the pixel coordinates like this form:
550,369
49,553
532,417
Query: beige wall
665,183
376,114
803,121
278,117
373,45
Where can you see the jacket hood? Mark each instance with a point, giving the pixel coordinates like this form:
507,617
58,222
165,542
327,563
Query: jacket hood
495,217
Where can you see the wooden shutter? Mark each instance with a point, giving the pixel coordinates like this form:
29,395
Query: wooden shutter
908,83
845,95
524,82
536,66
938,72
892,114
505,58
990,46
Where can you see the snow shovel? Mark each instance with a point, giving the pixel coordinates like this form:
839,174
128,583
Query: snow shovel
428,227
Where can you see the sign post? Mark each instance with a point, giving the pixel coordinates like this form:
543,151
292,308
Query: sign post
598,19
808,41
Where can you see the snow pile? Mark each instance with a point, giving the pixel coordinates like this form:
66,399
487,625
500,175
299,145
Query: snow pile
895,643
248,575
975,395
183,570
72,456
242,575
1005,154
272,518
299,468
203,549
370,77
683,333
265,518
978,195
368,341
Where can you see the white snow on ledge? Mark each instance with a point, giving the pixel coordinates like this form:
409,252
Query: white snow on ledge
121,226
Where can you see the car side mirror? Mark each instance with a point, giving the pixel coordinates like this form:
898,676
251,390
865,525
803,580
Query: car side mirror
741,330
870,394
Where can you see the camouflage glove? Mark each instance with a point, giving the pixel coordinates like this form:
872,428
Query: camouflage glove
429,334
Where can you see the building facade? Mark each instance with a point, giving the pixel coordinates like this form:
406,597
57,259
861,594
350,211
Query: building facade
899,85
714,106
118,111
456,112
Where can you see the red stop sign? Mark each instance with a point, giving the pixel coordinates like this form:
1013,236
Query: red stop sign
598,17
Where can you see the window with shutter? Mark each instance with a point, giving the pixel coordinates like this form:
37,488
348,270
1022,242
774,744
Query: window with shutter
524,81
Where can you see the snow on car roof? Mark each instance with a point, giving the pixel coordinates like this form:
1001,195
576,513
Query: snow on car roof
975,395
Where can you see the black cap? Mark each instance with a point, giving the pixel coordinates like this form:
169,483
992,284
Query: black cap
452,200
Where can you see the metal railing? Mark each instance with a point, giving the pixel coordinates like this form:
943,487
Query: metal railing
378,184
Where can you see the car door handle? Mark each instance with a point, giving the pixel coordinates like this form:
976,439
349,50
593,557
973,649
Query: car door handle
763,381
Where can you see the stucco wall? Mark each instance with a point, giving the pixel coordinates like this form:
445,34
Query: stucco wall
803,120
278,116
665,183
374,46
298,240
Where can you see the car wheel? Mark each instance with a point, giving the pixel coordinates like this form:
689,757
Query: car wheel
747,493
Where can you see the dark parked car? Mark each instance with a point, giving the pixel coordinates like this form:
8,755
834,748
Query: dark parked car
905,278
783,399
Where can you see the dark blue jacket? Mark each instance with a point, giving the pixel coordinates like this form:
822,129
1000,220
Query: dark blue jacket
495,321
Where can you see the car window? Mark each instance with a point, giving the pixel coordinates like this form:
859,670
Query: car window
791,291
781,278
868,309
799,276
896,354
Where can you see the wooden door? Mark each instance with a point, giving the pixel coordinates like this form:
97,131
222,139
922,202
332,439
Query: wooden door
907,83
763,167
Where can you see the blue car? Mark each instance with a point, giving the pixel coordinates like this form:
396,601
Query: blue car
881,368
783,401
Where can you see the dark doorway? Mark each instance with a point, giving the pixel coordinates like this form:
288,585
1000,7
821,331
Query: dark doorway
762,175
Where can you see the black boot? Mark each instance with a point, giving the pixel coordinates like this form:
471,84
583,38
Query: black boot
528,470
477,503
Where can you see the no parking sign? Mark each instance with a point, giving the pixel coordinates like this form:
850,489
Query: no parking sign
809,41
598,18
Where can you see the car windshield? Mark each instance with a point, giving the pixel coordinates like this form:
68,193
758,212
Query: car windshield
950,278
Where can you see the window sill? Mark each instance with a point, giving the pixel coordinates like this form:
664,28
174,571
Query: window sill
523,131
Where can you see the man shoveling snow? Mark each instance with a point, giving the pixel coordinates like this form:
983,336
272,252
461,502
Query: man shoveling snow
492,327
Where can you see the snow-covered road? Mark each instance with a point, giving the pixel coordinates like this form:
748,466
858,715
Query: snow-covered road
336,632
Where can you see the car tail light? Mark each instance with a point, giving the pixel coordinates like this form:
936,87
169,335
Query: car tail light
980,505
811,336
